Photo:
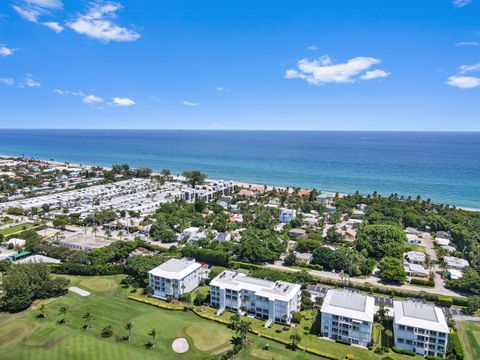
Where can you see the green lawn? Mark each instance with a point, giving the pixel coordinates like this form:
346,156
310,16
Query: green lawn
469,333
23,336
16,228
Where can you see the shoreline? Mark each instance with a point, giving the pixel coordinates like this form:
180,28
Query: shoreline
239,182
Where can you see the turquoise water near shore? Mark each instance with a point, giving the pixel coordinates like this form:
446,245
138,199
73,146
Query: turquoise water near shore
444,167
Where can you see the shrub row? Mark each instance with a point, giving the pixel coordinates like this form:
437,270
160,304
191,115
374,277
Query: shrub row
344,342
422,282
155,302
454,341
403,352
89,270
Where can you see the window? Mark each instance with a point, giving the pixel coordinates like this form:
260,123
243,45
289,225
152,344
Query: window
409,342
400,340
409,328
401,327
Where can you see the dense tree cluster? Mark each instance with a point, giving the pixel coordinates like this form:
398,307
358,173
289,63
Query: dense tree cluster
380,240
348,260
22,284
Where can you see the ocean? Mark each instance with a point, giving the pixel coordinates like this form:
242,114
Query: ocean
444,167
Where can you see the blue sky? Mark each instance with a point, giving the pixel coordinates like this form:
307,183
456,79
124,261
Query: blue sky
324,65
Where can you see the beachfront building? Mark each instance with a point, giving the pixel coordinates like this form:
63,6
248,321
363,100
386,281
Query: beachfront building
325,198
83,242
420,328
287,215
274,301
174,278
347,315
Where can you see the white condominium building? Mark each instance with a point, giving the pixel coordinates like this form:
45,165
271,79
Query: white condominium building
265,299
174,278
347,315
420,328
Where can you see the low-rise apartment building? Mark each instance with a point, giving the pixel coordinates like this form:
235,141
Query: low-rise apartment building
348,316
420,328
274,301
174,278
287,215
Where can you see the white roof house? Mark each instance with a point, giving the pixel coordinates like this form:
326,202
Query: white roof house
37,258
175,269
349,304
416,257
442,241
455,274
415,270
456,263
16,242
273,290
419,315
413,239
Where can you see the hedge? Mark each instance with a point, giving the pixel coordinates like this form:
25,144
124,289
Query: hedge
403,352
88,270
431,357
445,301
454,340
155,302
344,342
422,282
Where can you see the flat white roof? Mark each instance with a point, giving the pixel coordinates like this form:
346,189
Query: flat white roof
273,290
349,304
419,315
175,269
454,261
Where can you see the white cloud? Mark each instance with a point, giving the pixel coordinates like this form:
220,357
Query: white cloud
92,99
7,81
375,74
464,82
55,26
461,3
31,82
189,103
49,4
467,68
69,93
29,14
98,23
222,89
467,43
5,51
313,47
123,101
322,70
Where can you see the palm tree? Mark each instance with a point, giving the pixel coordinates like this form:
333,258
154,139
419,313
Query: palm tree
43,311
235,321
129,326
243,328
295,340
389,335
88,317
152,333
63,311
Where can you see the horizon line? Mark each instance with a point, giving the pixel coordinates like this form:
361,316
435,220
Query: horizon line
269,130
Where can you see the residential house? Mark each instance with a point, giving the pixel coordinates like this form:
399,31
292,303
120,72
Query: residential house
297,233
303,258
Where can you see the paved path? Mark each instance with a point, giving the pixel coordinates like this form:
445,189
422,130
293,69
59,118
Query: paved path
373,280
